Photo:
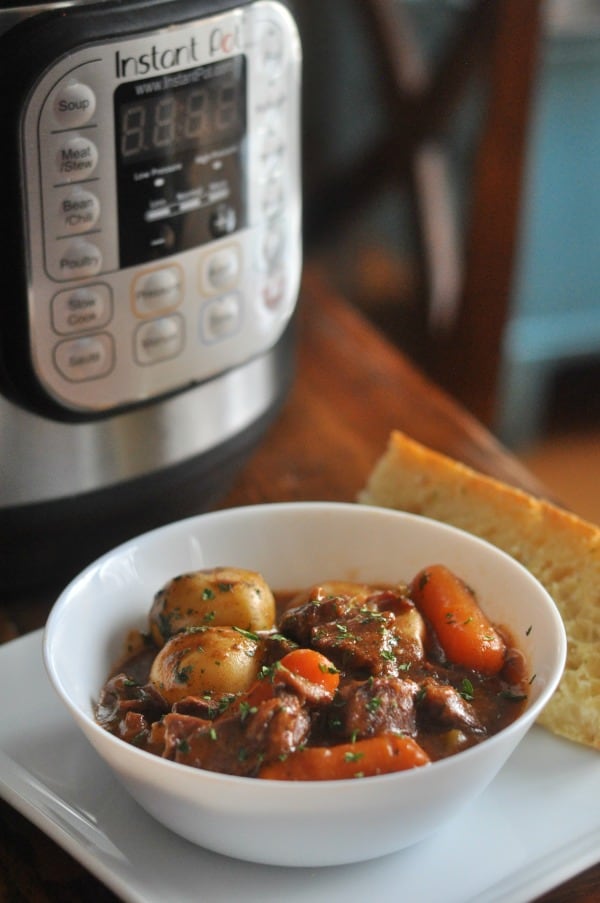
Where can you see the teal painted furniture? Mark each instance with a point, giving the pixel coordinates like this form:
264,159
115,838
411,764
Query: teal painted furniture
555,311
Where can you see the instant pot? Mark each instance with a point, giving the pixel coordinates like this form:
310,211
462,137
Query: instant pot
150,224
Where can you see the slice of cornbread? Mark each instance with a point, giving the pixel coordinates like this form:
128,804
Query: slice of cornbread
561,551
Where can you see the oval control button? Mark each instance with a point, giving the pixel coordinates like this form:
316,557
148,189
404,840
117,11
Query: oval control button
158,291
81,309
78,210
76,159
88,357
74,105
221,269
221,317
81,258
158,340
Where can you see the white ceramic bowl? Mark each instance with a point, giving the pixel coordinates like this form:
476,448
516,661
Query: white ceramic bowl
294,545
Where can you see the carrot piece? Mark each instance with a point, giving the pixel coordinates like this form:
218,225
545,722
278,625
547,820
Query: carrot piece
312,666
376,755
304,670
466,635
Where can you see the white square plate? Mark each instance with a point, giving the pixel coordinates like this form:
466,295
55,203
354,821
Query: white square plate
537,825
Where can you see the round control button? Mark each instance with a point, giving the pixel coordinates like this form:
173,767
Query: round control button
81,258
74,105
88,357
272,52
272,245
272,146
76,159
158,291
270,98
221,269
221,317
79,210
273,291
81,309
158,340
272,195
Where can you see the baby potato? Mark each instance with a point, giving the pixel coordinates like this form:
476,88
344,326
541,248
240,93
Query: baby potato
221,596
211,661
410,631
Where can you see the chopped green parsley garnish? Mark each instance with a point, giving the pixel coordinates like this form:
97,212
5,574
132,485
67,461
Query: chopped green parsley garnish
466,689
353,756
247,633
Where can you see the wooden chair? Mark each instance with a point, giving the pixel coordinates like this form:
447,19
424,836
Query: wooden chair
466,266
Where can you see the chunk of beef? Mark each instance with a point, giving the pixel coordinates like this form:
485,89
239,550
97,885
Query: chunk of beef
381,705
441,706
202,707
300,622
364,642
274,646
121,695
238,744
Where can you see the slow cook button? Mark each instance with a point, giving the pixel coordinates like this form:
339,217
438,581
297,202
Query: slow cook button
88,357
76,159
81,309
159,340
81,258
74,105
158,292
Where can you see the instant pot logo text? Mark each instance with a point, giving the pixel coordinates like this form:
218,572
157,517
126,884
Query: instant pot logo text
154,60
225,40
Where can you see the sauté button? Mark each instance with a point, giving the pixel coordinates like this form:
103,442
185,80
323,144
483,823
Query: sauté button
88,357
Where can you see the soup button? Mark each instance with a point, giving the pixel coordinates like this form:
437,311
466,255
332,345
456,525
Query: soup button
74,105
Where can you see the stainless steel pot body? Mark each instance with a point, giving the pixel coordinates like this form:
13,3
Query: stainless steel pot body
153,250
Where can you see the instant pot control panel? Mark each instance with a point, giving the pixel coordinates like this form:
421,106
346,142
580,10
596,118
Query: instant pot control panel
161,186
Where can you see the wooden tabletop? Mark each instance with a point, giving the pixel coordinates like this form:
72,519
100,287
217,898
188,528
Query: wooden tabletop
351,389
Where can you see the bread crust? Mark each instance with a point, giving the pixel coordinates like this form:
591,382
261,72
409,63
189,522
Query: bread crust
560,549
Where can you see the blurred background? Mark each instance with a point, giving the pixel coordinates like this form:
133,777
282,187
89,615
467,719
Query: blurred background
452,191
